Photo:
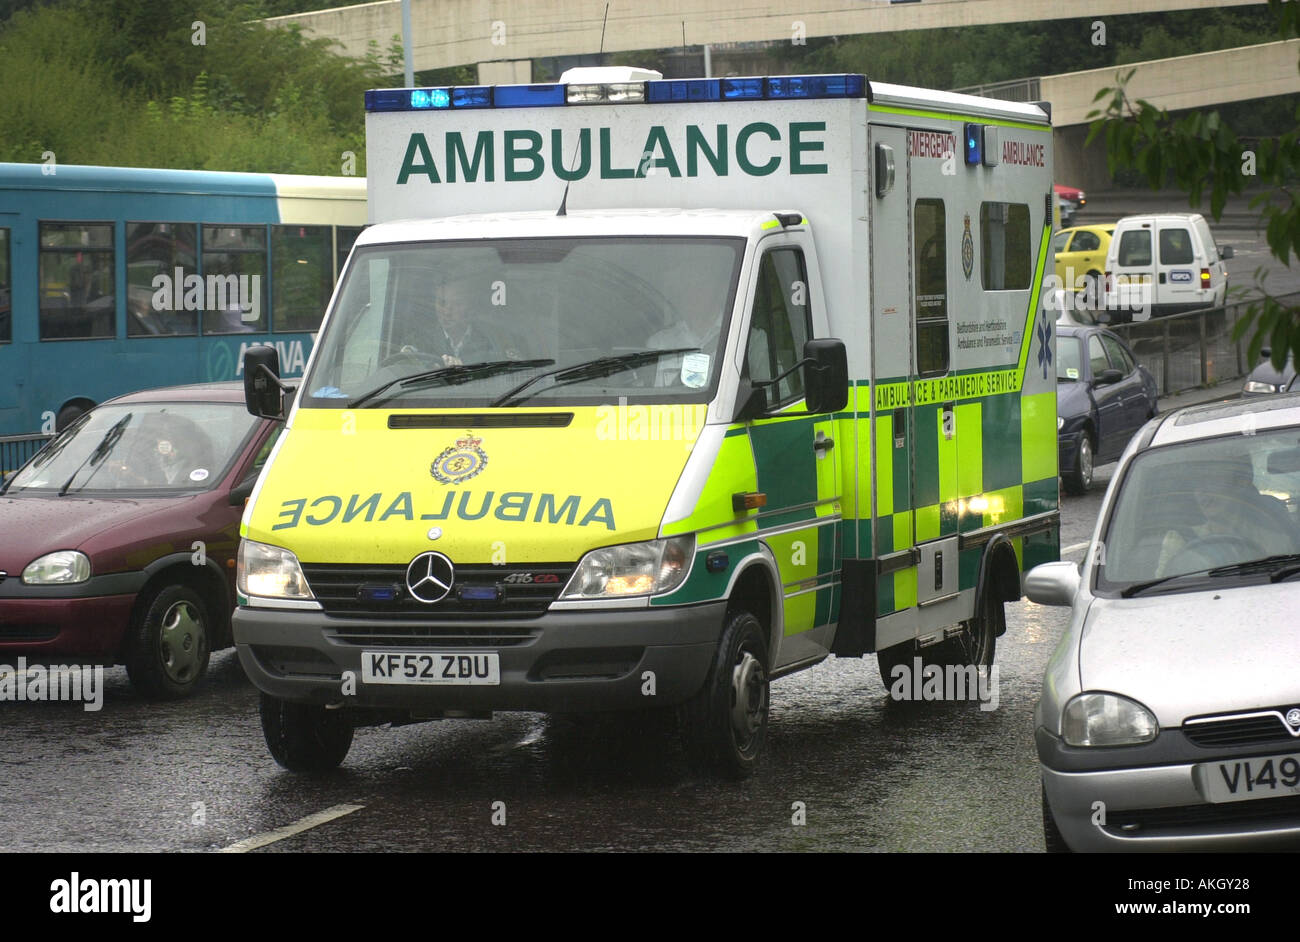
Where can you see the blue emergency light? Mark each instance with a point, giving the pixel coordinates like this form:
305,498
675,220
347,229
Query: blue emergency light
974,145
657,91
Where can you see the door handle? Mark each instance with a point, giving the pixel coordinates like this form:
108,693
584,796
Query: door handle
823,443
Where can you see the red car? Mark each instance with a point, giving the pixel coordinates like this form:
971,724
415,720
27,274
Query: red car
1070,198
118,538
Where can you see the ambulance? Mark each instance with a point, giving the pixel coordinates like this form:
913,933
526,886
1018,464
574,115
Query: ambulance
639,394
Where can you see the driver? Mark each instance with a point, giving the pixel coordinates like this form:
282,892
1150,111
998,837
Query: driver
457,338
1231,508
702,292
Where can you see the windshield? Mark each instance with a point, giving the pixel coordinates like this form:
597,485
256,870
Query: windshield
1067,362
1190,508
534,309
142,447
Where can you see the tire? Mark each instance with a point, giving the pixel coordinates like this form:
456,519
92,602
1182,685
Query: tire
889,658
976,645
724,726
303,737
170,643
69,414
1052,837
1079,480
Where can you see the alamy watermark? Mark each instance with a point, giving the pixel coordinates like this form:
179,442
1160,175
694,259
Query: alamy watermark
76,683
183,292
956,682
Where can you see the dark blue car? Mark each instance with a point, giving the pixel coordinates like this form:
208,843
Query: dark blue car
1102,397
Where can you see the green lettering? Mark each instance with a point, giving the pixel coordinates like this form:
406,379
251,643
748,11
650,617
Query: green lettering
338,505
695,144
546,505
532,152
417,145
798,146
446,508
742,154
658,138
463,512
583,154
482,154
369,505
294,514
515,501
404,500
606,171
600,511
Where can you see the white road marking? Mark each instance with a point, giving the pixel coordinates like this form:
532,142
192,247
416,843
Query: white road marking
1076,546
289,830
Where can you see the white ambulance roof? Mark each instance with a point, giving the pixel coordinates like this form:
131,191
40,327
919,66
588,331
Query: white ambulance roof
905,96
589,222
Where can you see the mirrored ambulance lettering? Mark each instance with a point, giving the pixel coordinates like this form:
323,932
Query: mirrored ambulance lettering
510,506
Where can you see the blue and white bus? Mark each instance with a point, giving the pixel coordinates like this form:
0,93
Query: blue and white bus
117,279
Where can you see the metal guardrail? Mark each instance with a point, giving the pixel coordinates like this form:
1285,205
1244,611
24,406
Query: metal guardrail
1026,89
1194,349
15,450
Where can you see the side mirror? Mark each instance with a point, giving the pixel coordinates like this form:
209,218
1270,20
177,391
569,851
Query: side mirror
1052,583
1107,378
263,391
826,375
1225,252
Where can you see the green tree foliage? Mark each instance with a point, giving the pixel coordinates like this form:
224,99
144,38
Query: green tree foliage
128,83
1201,154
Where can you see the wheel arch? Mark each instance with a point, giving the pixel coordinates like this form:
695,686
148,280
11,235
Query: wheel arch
999,574
207,580
755,588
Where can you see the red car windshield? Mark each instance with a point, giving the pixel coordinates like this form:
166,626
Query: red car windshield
152,446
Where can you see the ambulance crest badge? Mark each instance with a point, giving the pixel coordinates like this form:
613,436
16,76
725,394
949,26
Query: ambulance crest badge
459,462
967,251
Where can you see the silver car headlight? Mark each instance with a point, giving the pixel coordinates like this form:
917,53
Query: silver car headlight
1060,423
1107,719
64,567
1255,386
270,572
615,572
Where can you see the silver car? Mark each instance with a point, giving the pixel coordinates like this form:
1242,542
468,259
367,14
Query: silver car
1170,711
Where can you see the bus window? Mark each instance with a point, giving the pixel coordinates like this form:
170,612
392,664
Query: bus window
76,280
345,237
302,275
6,289
160,256
234,276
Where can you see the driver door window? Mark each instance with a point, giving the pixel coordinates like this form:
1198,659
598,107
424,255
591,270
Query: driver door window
779,325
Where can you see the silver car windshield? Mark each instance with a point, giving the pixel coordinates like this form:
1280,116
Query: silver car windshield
152,446
564,321
1189,508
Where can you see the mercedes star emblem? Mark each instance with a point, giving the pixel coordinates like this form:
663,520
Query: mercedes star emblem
429,577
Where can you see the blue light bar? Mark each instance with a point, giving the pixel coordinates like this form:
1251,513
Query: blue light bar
851,85
388,99
737,88
974,144
472,96
527,96
430,98
679,90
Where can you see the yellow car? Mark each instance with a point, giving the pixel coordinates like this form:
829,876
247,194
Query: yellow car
1080,255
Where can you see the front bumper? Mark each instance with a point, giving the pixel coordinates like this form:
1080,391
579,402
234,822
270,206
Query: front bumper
1157,807
1067,450
571,662
93,627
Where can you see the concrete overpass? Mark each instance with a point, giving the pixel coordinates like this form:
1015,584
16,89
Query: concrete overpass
502,37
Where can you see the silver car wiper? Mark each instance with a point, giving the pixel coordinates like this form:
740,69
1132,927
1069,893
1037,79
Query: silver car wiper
1280,566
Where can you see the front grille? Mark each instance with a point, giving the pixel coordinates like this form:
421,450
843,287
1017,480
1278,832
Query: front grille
398,635
1256,730
1262,813
336,588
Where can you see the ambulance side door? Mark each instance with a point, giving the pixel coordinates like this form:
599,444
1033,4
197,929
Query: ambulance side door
793,451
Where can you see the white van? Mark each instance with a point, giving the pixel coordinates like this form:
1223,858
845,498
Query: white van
1164,264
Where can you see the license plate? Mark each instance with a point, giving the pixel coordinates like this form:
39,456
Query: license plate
1134,280
1248,779
430,667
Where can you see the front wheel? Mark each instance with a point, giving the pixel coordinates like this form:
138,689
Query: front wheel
303,737
725,724
167,654
1079,480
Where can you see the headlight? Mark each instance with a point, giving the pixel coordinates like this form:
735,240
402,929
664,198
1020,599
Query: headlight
270,572
65,567
1107,719
1254,386
649,568
1060,423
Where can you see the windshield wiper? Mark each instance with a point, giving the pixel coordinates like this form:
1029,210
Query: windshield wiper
591,369
1280,567
99,452
459,373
